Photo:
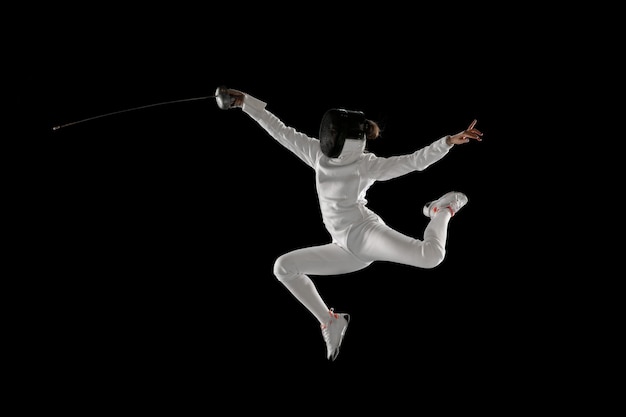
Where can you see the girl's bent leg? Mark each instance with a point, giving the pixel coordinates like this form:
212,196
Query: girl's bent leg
293,269
379,242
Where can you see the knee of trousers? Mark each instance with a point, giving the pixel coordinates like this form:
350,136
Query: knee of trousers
284,270
432,255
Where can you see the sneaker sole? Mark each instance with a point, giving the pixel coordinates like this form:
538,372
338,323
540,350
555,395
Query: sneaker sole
343,333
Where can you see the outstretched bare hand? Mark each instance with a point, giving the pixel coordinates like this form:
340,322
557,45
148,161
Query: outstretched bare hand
464,136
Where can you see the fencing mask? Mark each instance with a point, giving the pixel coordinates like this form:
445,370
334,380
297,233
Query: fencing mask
337,126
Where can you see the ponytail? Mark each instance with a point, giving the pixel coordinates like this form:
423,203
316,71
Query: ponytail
372,130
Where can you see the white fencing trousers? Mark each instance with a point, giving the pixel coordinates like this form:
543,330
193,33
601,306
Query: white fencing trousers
366,243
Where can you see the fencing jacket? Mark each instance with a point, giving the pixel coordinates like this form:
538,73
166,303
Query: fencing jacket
342,182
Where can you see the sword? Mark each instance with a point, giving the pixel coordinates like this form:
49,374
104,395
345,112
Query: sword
223,99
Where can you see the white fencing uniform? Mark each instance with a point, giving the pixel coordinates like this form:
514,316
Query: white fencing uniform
359,236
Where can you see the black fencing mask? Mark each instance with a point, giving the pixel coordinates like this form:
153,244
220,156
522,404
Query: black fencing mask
337,126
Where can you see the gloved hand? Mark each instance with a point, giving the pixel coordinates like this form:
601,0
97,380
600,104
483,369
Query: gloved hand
228,98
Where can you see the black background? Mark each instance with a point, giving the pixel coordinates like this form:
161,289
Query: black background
157,228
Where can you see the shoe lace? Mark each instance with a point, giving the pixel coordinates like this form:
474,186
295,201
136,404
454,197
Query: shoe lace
454,206
324,326
325,333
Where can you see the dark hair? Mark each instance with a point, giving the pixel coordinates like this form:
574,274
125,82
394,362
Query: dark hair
372,130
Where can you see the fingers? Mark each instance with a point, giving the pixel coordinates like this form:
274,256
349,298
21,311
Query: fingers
472,132
472,136
234,92
237,97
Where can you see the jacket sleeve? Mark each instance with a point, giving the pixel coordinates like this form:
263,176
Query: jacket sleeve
385,168
303,146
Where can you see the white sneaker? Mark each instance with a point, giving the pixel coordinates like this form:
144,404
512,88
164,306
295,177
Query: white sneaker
333,331
453,201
